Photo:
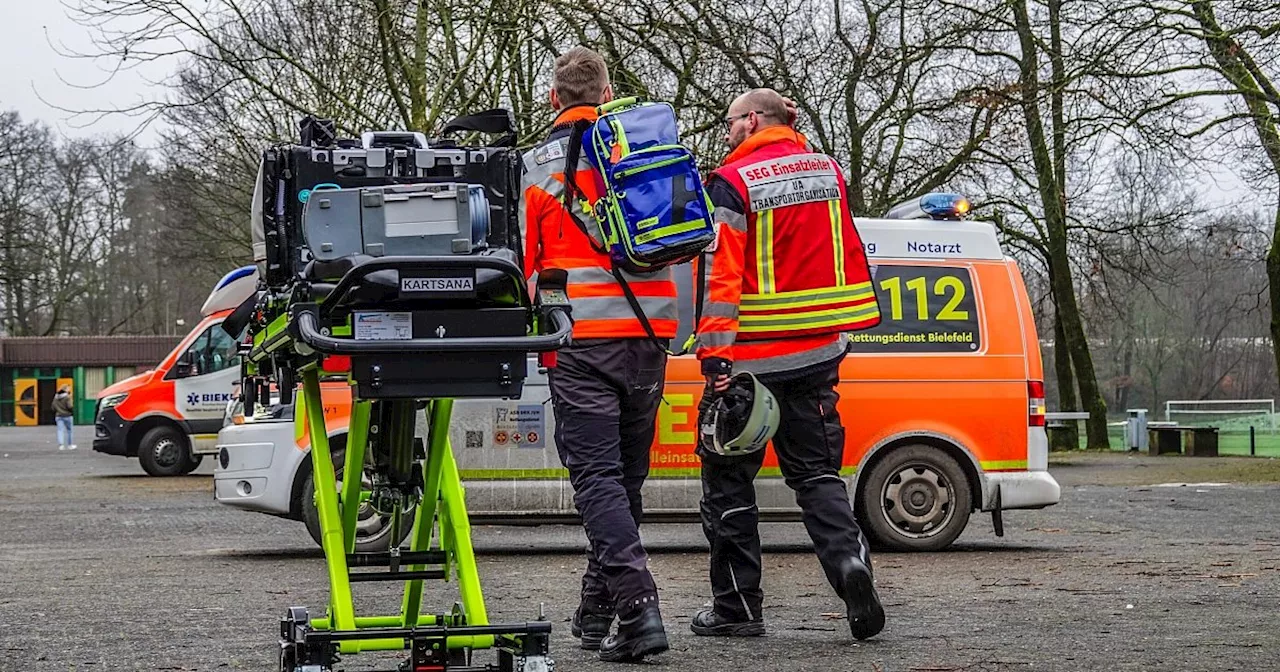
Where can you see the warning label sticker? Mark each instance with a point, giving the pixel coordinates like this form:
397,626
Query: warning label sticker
383,326
523,426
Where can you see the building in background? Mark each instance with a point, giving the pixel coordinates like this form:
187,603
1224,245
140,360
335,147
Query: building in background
31,369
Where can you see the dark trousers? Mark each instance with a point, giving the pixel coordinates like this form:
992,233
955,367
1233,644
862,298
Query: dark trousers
606,395
809,444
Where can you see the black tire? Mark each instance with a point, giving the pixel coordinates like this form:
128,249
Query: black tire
915,498
164,451
193,462
370,536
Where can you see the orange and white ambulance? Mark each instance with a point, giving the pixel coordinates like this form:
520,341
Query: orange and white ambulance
943,405
169,417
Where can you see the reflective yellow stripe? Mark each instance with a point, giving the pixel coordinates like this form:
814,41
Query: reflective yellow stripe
671,230
837,239
783,317
807,297
764,252
810,319
1003,465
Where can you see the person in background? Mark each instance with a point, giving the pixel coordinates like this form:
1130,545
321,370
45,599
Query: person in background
63,410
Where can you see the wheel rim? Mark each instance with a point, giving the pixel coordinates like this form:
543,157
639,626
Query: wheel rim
917,501
369,523
167,452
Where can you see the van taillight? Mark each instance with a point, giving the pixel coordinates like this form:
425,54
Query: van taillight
1035,403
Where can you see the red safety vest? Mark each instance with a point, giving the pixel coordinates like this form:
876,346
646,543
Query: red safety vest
804,271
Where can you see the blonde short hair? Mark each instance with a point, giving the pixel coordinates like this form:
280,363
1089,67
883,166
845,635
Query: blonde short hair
580,77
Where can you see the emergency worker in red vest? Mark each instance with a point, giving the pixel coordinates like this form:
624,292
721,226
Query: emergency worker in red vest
787,278
606,387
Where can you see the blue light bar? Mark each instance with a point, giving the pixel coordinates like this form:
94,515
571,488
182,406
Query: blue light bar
937,205
944,206
231,277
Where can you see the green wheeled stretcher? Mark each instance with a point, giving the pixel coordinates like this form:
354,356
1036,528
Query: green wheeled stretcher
393,265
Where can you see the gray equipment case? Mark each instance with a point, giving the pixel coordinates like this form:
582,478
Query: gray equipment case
435,218
414,219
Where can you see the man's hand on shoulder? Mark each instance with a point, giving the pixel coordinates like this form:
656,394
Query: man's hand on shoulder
792,112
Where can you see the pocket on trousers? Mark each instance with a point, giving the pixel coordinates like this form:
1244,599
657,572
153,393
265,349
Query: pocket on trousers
647,379
646,366
832,430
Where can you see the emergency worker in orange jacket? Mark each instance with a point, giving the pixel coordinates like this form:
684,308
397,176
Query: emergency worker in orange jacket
787,278
607,385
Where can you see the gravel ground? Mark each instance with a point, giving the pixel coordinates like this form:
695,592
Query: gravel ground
104,568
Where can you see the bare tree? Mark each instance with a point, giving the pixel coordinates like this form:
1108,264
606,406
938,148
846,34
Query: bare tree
1080,78
21,179
1245,56
364,63
878,83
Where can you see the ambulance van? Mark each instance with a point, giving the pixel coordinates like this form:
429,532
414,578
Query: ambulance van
169,417
943,405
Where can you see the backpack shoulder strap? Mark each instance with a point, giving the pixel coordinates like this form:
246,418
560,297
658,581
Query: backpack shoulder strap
571,189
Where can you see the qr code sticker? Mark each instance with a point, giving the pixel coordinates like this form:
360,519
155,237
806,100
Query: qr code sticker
475,439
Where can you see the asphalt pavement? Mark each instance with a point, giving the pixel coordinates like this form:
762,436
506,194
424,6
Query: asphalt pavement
1148,563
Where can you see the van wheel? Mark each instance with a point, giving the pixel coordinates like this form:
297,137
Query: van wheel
373,531
164,452
916,498
193,462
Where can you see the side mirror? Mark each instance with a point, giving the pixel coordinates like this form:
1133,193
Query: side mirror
185,364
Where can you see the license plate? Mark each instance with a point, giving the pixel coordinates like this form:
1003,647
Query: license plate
382,326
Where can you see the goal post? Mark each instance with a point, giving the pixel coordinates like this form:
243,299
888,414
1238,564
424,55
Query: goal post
1229,415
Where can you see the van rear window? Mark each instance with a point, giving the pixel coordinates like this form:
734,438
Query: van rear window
922,309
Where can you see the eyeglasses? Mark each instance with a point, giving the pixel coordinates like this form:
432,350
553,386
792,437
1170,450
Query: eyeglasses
728,121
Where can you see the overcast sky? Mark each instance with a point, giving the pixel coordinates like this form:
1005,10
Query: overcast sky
36,80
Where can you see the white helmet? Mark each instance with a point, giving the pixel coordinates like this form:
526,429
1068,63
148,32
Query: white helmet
741,420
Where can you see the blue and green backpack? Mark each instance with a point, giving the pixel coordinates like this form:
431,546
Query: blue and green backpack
653,211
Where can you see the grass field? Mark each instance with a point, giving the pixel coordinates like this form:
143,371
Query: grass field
1233,435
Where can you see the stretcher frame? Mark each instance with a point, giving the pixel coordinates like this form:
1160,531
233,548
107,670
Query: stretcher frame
440,545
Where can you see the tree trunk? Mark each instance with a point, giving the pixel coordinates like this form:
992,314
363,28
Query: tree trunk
1273,285
1069,437
1053,194
1126,374
1081,359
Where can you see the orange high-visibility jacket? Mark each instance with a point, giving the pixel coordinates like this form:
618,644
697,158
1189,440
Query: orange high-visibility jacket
553,240
788,274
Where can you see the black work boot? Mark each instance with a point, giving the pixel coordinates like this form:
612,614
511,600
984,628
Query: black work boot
710,624
640,634
866,616
591,624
